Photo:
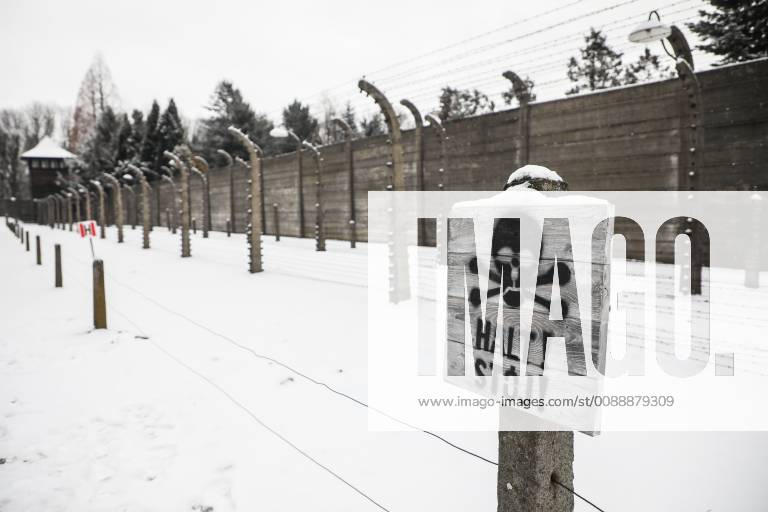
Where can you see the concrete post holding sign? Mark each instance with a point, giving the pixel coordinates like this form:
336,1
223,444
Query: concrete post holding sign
348,136
535,468
117,202
399,281
184,212
146,213
253,230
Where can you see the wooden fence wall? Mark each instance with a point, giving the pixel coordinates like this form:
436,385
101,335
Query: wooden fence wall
630,138
623,139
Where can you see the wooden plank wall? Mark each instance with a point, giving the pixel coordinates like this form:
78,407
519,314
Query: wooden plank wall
622,139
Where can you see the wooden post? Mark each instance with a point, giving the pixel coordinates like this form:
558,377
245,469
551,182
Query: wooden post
168,218
99,296
37,250
277,223
229,228
194,226
27,236
58,278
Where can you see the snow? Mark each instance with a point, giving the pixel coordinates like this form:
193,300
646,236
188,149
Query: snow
533,172
170,409
47,148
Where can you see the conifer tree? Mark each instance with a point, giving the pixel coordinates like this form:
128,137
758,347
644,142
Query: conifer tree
735,30
599,67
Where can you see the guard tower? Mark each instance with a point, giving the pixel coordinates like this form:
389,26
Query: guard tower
44,161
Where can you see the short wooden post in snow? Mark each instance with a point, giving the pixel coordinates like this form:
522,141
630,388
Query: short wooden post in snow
58,281
99,296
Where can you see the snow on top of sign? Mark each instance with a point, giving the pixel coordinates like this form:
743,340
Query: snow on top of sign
47,148
534,172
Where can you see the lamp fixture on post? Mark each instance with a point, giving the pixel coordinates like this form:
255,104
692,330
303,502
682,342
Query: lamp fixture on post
691,158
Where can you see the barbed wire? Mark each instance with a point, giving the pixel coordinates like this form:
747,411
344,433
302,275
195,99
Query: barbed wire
257,419
336,98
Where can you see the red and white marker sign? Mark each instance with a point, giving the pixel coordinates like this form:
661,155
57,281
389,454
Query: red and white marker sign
87,228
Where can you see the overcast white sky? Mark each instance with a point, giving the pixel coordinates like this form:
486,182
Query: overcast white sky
273,51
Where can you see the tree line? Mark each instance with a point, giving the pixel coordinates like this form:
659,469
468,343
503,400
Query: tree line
102,135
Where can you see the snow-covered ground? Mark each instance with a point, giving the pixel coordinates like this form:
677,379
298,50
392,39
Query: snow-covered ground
176,408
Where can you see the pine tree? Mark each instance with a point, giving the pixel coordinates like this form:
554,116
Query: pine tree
123,149
170,132
151,141
137,133
735,30
461,103
647,67
101,153
10,151
373,126
350,117
296,117
600,66
228,108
